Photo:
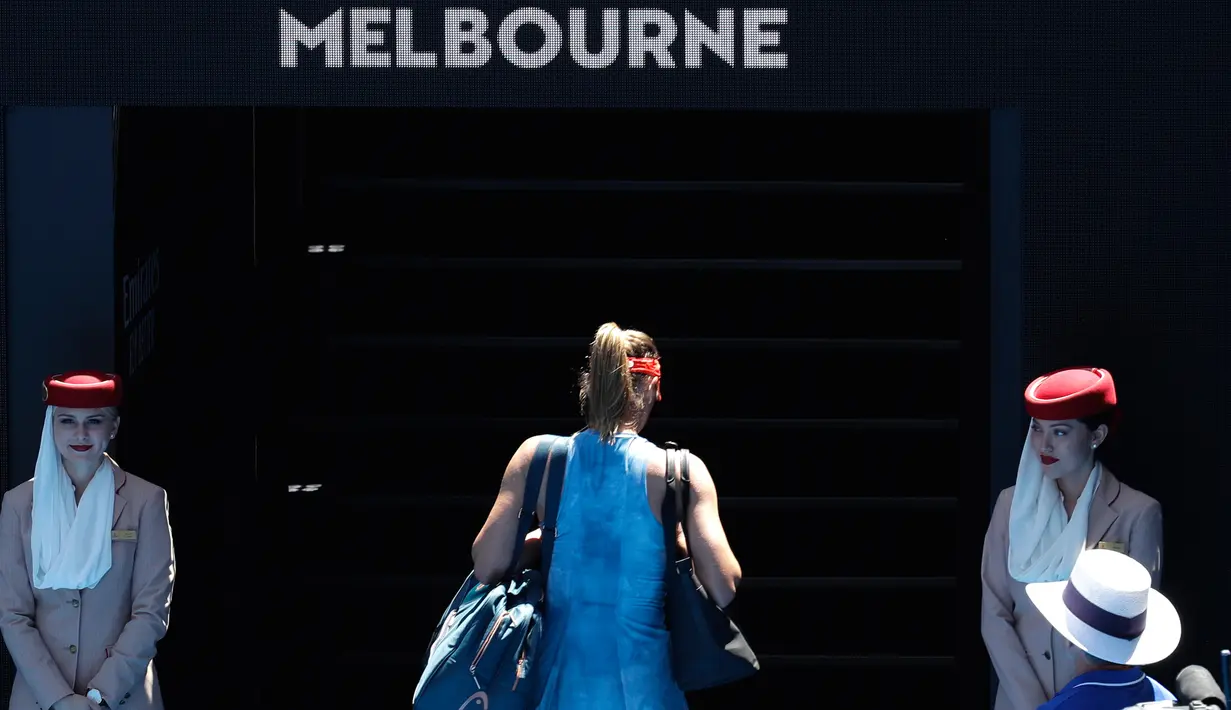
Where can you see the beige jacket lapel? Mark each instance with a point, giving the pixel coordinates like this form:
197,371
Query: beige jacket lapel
120,501
1102,511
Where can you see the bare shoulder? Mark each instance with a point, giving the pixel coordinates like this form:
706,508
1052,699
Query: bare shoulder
655,459
520,462
656,465
533,442
700,480
696,465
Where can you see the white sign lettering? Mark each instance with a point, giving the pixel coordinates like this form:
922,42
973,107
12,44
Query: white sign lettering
386,37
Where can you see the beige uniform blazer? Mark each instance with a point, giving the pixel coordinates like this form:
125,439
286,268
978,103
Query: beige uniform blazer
68,641
1031,660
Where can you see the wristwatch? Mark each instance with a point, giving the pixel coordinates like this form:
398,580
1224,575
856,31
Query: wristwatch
96,698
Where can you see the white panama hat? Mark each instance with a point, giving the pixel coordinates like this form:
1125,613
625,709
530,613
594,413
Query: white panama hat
1107,609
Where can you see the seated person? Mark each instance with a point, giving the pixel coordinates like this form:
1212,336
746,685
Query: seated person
1102,610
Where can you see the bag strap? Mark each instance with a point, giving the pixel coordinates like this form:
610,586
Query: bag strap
555,487
675,499
550,458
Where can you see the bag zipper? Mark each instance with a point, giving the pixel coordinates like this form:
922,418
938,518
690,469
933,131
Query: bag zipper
483,647
521,668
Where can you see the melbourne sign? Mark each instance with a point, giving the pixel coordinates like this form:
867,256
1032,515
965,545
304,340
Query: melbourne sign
407,38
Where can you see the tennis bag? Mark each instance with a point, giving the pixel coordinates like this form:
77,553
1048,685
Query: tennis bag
486,642
707,648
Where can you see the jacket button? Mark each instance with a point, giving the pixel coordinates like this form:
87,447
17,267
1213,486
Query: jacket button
1047,655
72,649
75,603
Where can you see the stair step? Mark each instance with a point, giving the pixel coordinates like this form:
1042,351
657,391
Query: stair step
771,540
370,455
882,223
836,683
370,679
556,143
821,493
838,382
698,303
499,343
788,621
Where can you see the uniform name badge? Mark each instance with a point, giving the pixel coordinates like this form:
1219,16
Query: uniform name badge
131,535
1113,546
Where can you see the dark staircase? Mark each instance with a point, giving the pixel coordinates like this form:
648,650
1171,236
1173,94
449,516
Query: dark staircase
800,273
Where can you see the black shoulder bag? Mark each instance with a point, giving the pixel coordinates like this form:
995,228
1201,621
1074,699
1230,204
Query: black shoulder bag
707,648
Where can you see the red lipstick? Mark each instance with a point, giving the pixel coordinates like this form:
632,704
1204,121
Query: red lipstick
80,447
1048,460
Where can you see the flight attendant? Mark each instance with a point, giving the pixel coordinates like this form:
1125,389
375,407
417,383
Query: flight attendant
87,565
1064,502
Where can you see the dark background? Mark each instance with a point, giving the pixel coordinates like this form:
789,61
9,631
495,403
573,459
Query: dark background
1123,213
399,373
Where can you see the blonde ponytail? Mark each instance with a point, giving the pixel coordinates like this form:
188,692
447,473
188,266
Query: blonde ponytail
608,386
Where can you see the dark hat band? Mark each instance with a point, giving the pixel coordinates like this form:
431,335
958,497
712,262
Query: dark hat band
1102,620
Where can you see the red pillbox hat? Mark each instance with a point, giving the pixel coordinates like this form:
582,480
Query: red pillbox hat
82,389
1073,393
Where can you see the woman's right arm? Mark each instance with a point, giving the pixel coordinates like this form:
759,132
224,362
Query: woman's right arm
712,558
26,646
1004,646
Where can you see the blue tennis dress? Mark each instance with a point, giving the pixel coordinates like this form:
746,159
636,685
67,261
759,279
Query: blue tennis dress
605,646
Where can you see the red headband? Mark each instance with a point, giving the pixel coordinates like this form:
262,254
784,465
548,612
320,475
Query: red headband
645,366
